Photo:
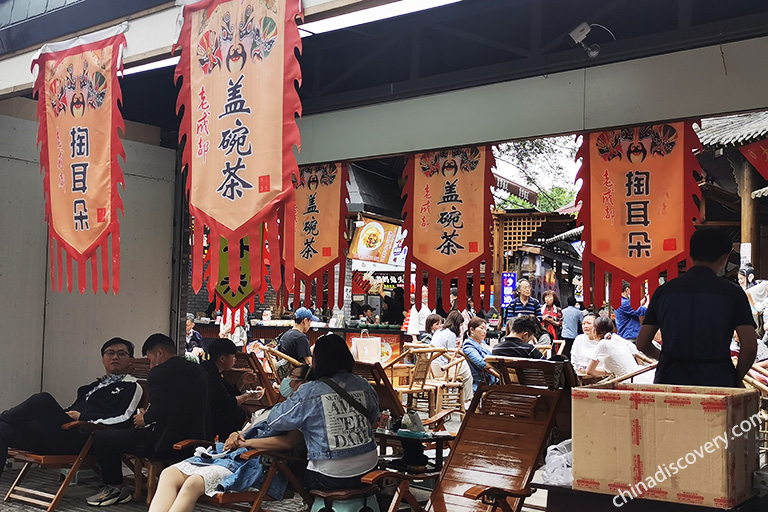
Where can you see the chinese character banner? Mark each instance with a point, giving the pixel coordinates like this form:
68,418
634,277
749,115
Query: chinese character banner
321,220
448,219
77,93
637,205
757,154
239,98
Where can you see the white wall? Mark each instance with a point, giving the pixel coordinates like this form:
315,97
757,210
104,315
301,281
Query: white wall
76,325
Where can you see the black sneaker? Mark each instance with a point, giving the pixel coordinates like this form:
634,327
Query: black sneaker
110,495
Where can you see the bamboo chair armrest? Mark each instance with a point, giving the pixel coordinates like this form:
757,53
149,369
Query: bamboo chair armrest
427,350
396,360
644,358
484,492
190,443
277,353
457,361
629,375
759,369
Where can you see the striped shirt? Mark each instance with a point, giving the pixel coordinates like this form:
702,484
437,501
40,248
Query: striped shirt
516,308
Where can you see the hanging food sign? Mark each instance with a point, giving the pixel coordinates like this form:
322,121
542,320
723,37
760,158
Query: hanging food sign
448,219
321,215
638,207
77,93
239,71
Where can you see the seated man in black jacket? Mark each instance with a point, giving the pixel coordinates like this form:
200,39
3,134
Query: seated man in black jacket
517,343
35,424
178,410
225,399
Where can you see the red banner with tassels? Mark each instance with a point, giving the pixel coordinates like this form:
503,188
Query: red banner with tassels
77,94
637,206
448,220
321,222
239,71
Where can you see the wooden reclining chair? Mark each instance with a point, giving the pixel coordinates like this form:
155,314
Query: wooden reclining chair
492,461
72,462
138,368
249,362
271,357
251,501
542,373
534,372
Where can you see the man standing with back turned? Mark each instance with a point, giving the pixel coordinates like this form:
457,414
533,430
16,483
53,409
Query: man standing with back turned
697,313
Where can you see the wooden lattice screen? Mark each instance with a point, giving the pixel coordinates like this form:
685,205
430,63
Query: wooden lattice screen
516,230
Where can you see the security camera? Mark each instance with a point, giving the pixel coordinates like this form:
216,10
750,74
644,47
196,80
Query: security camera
580,33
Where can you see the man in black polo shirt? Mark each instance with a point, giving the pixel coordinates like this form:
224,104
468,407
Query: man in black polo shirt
517,344
697,313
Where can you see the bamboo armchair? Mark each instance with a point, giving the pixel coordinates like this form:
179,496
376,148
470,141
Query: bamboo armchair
450,387
421,395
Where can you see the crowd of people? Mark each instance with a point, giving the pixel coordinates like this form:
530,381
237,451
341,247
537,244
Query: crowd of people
329,413
195,401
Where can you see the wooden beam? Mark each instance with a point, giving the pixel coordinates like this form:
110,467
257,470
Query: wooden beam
750,224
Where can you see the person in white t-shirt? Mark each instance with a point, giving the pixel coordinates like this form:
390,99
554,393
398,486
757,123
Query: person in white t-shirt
584,344
419,317
616,354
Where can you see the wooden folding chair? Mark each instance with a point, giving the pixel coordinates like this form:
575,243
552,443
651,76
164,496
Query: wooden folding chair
252,500
494,456
72,462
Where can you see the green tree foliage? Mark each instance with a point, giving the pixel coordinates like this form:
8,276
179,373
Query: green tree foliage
539,163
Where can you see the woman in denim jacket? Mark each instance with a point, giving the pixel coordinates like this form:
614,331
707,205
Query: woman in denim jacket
475,348
339,439
182,484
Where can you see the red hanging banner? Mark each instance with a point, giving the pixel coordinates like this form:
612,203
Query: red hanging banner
638,205
757,154
448,219
239,71
321,220
77,93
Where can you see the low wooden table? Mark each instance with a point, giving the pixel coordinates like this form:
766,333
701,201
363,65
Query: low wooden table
565,499
384,437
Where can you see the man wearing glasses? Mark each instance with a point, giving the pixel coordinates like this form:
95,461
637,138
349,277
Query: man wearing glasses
35,424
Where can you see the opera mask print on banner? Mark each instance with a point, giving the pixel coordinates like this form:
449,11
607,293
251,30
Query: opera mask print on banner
235,41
